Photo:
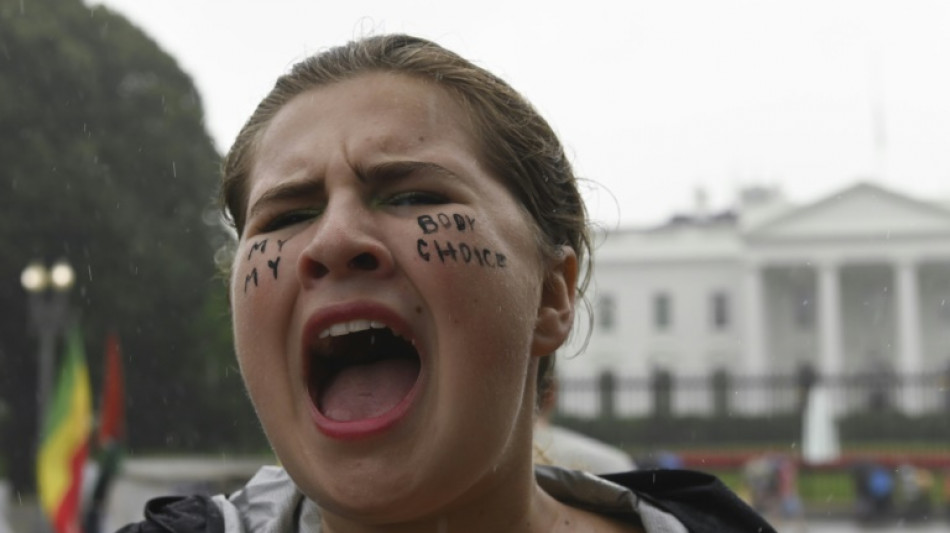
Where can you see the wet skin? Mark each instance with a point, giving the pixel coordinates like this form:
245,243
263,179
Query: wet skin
341,178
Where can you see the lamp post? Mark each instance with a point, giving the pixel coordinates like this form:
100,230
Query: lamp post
49,311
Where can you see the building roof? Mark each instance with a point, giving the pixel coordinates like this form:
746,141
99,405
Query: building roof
861,212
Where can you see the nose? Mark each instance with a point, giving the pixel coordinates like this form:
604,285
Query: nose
343,243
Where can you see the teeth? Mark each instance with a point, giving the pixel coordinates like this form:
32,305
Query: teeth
352,326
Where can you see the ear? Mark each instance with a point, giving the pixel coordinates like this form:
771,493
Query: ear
556,309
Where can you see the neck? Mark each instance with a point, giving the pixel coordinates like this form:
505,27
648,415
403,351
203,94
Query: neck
506,501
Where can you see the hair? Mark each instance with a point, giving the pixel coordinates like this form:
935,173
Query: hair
516,143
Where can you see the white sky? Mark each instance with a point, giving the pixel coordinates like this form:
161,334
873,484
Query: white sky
652,99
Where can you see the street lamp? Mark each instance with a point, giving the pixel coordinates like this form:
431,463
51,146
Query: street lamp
49,313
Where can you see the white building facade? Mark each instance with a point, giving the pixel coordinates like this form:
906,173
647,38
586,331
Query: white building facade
854,284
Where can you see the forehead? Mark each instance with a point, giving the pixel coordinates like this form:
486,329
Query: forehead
380,114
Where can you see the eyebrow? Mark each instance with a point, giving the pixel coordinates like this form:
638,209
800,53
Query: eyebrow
285,192
382,172
394,170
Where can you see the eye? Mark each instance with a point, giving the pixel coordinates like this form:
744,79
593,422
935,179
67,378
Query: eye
411,198
290,218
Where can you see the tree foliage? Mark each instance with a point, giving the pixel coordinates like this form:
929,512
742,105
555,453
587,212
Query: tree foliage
106,163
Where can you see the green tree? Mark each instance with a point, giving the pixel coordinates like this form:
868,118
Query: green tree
106,162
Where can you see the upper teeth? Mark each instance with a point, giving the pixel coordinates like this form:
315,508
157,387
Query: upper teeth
350,327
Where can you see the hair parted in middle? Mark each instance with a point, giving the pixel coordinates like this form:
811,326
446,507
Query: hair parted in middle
516,144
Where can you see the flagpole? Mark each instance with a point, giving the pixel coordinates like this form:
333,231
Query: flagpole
49,311
48,290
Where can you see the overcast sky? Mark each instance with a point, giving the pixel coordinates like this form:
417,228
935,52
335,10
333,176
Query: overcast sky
653,100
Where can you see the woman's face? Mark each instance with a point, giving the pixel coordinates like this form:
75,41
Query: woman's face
389,301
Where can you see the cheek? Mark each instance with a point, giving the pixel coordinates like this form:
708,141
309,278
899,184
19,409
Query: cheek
259,280
482,267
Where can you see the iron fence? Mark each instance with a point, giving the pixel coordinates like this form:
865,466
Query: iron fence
725,394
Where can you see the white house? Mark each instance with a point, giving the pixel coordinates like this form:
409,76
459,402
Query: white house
855,283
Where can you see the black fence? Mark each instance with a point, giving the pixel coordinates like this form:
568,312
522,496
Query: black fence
722,394
721,409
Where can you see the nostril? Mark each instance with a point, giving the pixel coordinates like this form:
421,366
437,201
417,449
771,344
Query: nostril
317,270
364,261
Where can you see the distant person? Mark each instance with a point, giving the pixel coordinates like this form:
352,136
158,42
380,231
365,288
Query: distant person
560,446
411,247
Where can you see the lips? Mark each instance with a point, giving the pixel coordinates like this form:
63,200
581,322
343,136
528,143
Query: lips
362,371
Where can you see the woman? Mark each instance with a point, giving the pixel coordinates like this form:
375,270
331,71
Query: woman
411,242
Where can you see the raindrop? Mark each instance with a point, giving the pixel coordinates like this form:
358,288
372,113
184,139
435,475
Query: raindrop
174,170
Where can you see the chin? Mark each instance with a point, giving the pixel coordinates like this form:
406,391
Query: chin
371,497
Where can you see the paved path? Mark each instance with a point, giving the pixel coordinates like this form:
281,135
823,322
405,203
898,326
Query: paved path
942,526
844,524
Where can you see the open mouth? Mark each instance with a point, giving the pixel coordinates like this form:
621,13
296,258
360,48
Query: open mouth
360,370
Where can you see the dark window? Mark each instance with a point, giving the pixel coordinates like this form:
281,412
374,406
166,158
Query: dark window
662,311
606,312
721,315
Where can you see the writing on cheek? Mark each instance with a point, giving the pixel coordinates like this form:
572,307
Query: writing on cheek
460,253
454,251
272,264
260,247
250,277
430,224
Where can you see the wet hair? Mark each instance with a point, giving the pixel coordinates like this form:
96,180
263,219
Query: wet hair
516,144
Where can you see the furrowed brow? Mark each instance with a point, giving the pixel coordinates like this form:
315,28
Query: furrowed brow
395,170
285,192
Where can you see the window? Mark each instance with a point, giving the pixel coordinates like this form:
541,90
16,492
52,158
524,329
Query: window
720,311
605,312
662,311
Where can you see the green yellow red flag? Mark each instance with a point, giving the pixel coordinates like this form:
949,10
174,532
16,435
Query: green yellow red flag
65,441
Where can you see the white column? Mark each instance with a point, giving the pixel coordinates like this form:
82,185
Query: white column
754,345
829,319
909,356
755,341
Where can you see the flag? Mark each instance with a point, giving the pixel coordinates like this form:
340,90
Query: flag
109,436
65,441
112,408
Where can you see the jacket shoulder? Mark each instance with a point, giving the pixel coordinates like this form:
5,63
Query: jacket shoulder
700,501
179,514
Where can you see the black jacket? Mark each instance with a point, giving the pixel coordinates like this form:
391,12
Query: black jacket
699,501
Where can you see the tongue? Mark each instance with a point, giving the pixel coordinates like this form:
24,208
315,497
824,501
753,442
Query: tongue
367,391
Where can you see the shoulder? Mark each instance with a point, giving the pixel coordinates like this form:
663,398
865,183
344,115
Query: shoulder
268,503
699,500
179,514
658,500
564,447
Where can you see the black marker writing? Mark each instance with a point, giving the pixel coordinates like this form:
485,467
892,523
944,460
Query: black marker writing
429,225
258,246
249,278
273,265
461,253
